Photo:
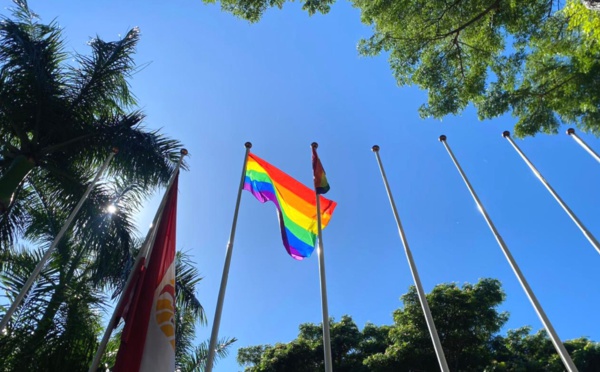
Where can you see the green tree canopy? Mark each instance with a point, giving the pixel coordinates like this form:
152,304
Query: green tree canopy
468,323
530,58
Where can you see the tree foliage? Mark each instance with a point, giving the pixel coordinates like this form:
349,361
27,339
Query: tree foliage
532,58
61,115
468,323
189,314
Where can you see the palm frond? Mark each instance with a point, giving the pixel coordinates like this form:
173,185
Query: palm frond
185,333
18,265
31,76
16,219
187,277
100,82
196,362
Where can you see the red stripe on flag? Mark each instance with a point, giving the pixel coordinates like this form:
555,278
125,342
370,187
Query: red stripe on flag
137,318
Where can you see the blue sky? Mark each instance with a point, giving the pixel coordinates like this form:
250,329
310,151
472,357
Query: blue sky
214,82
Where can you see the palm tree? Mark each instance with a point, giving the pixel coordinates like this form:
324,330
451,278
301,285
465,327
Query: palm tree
57,326
60,120
188,314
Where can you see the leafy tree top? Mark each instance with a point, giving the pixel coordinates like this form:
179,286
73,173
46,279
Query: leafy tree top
468,322
530,58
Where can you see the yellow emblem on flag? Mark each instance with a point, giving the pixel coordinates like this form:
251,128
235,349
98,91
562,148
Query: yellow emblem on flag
165,311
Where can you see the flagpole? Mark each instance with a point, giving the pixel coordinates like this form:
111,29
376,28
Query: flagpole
584,230
439,351
144,252
571,132
217,321
558,345
323,282
57,239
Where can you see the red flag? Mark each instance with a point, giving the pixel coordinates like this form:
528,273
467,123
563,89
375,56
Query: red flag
148,339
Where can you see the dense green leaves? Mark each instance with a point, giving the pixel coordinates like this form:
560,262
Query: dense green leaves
530,58
467,320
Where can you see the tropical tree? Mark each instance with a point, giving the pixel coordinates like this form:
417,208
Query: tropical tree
59,120
57,325
467,320
534,59
189,313
349,348
521,351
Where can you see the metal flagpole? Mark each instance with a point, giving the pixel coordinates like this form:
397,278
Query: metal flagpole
57,239
145,251
217,322
584,230
558,345
323,282
571,132
439,351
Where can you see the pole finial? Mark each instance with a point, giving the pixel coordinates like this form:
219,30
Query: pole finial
570,131
375,148
506,134
184,152
314,145
115,150
248,145
442,138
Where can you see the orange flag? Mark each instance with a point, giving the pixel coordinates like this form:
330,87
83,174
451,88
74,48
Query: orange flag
148,339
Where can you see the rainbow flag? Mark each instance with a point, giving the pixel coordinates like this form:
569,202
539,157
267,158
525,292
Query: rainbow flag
321,184
296,205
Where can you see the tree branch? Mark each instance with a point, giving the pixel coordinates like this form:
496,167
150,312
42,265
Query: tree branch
494,5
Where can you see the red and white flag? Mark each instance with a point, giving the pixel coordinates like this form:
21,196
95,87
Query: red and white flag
148,340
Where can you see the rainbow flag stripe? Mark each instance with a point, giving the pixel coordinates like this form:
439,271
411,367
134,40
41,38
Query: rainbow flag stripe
321,184
296,205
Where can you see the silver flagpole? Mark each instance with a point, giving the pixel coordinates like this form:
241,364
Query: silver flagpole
558,345
217,322
323,282
439,351
57,239
584,230
571,132
145,251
